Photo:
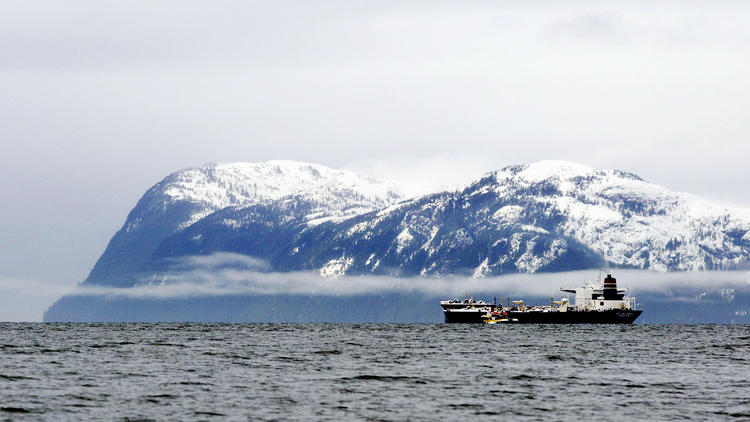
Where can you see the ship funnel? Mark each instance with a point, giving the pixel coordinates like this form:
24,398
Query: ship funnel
610,288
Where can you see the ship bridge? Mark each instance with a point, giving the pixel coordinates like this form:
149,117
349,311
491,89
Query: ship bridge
598,298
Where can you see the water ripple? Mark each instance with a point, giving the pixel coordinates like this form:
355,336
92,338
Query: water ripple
372,372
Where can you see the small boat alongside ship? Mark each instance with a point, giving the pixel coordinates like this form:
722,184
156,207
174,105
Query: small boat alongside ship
594,304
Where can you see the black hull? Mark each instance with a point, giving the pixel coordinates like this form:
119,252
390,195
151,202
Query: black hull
464,317
613,316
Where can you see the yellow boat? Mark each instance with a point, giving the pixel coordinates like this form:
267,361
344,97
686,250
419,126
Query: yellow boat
495,317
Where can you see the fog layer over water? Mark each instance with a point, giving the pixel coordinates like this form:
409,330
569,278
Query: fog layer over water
228,273
224,274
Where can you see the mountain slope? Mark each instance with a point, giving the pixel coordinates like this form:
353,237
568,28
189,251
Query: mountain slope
313,193
630,222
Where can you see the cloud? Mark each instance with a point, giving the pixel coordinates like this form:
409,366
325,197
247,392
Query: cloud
26,300
218,261
428,175
600,27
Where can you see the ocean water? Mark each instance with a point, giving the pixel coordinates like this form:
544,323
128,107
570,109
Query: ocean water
373,372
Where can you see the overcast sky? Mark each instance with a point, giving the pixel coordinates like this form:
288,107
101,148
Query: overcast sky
102,99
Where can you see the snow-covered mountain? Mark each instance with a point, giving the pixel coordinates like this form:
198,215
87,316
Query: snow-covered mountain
305,192
547,216
544,217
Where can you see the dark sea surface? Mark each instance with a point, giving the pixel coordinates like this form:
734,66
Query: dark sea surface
373,372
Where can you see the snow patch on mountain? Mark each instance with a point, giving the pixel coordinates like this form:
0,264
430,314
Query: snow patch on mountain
530,261
403,240
482,269
508,213
336,267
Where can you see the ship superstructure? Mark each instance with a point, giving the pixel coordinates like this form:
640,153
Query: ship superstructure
601,298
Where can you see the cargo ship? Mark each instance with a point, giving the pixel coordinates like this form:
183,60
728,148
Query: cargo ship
594,304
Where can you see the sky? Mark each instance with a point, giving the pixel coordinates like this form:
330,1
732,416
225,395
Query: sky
102,99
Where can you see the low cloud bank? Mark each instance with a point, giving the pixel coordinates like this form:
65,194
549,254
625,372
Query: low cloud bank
224,274
26,300
231,274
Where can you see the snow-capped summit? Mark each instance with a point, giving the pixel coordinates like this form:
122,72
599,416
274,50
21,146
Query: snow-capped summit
236,184
216,186
554,169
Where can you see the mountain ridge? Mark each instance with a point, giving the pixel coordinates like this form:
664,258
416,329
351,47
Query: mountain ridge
545,216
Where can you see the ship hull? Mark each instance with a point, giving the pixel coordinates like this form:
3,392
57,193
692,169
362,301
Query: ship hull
611,316
473,316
